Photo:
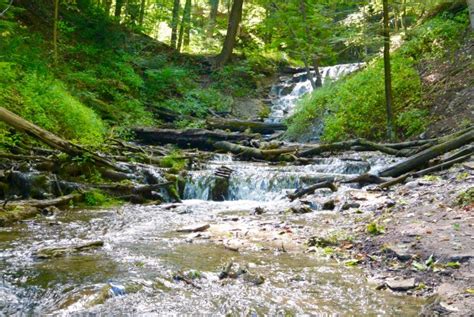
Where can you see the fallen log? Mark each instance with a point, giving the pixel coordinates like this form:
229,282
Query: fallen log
253,153
311,189
244,125
40,203
365,179
51,139
190,138
436,168
423,157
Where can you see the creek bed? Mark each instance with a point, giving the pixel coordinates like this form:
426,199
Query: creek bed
143,251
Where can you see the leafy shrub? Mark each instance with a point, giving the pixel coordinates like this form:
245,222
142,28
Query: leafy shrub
197,102
97,198
167,82
237,79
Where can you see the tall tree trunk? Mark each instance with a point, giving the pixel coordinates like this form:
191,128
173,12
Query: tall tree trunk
470,3
174,23
107,6
118,8
319,79
184,24
142,12
308,72
232,28
212,17
404,15
55,31
187,23
387,69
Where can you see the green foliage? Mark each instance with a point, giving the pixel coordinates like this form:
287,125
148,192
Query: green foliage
375,229
355,106
466,198
237,79
168,82
97,198
174,161
46,102
434,37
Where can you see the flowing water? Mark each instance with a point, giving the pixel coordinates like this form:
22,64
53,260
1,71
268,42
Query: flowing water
140,268
285,94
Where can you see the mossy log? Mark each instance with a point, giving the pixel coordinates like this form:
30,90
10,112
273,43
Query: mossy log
189,138
51,139
253,153
244,125
422,158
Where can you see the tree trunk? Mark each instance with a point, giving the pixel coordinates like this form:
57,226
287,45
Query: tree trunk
189,138
174,23
49,138
55,31
470,4
187,23
232,28
107,6
118,8
253,153
319,80
308,73
142,12
184,24
387,69
212,17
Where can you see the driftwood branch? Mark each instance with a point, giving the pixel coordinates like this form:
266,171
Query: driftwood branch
311,189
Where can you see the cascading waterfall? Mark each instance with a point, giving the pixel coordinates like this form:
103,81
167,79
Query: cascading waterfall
285,94
262,182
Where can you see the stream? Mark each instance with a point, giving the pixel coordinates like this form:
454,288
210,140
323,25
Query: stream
140,267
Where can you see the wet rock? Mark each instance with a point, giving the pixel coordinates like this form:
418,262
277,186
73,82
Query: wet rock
319,242
195,228
54,252
49,211
400,285
329,205
254,279
258,211
301,210
347,206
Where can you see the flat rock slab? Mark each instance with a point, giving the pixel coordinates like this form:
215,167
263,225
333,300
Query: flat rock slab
400,285
195,228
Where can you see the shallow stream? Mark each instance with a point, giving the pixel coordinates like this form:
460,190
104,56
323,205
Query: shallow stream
135,271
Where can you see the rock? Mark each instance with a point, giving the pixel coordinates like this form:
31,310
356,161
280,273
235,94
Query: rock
54,252
347,206
319,242
400,285
301,210
195,228
461,257
400,251
329,205
254,279
259,211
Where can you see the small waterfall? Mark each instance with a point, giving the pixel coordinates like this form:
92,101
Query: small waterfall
285,94
263,182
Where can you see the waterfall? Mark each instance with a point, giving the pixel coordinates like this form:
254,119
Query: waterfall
289,89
